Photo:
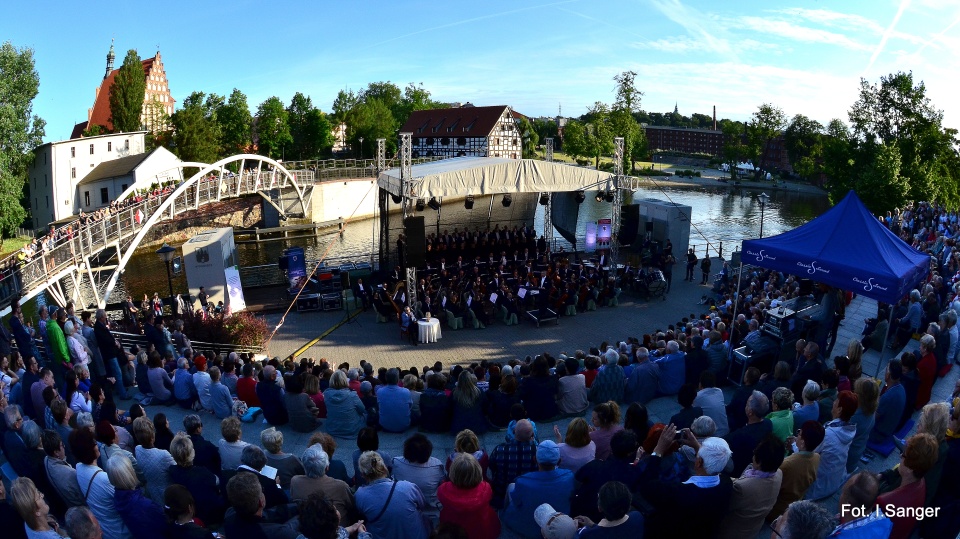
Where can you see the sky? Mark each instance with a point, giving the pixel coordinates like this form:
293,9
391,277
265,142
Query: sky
804,56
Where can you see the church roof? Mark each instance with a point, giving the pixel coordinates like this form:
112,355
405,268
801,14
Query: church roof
459,122
100,115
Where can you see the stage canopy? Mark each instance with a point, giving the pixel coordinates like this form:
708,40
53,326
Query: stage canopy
846,247
462,176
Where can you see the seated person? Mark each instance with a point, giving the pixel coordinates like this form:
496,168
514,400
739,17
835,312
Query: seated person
248,516
684,418
549,484
255,461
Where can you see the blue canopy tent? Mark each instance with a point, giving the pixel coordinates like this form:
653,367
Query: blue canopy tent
848,248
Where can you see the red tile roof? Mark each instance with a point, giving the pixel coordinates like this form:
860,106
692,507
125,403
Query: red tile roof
100,113
479,121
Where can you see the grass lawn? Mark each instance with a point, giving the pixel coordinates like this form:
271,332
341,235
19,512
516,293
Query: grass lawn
12,245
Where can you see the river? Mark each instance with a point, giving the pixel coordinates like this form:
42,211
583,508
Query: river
719,215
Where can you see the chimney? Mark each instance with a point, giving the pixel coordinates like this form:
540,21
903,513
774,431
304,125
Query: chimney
714,117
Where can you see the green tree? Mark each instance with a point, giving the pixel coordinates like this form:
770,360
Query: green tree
599,132
236,124
767,123
803,139
387,93
127,93
547,129
530,138
196,134
317,134
627,95
897,112
298,111
372,119
20,132
343,106
272,128
881,185
734,147
838,160
575,139
415,97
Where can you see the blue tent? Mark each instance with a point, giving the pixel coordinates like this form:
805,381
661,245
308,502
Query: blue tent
846,247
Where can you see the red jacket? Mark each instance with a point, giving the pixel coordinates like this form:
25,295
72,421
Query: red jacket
470,508
927,372
247,391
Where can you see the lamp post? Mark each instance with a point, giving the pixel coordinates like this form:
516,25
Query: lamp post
764,198
166,254
361,148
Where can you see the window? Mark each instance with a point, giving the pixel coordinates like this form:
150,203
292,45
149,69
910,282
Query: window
73,173
461,141
48,201
73,151
86,198
109,146
91,149
104,196
126,144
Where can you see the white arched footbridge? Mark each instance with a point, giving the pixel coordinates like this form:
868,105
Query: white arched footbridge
70,270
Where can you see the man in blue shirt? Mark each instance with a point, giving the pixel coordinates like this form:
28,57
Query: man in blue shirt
893,401
672,370
548,484
395,403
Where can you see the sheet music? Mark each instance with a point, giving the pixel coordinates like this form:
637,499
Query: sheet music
522,293
444,302
493,297
469,300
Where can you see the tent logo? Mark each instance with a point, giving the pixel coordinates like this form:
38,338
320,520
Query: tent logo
869,285
812,268
761,256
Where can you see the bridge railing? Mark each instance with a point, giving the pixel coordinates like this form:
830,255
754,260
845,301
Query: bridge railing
117,227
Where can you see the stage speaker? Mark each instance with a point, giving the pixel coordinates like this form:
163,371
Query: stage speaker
647,226
413,228
629,224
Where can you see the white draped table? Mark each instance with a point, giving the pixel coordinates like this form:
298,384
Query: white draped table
429,330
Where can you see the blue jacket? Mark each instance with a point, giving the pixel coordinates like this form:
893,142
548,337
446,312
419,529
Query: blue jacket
532,489
346,414
144,518
889,411
672,373
221,399
183,389
642,383
395,405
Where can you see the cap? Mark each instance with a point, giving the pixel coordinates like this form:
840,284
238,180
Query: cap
554,524
548,452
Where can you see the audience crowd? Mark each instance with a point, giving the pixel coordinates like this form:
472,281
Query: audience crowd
792,431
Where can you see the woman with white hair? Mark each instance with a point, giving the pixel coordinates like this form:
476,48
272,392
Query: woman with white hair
79,352
287,464
143,517
391,509
316,463
810,410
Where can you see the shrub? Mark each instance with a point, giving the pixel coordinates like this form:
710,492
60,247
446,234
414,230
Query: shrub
242,329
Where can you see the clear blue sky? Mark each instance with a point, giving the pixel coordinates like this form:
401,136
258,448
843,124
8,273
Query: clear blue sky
805,56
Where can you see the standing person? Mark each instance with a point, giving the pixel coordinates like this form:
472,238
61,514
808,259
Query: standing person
113,356
130,311
691,264
60,360
669,261
705,269
203,298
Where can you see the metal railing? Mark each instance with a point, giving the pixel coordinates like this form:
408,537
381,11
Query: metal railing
271,275
51,264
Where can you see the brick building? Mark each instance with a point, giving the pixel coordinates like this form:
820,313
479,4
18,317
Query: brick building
157,100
